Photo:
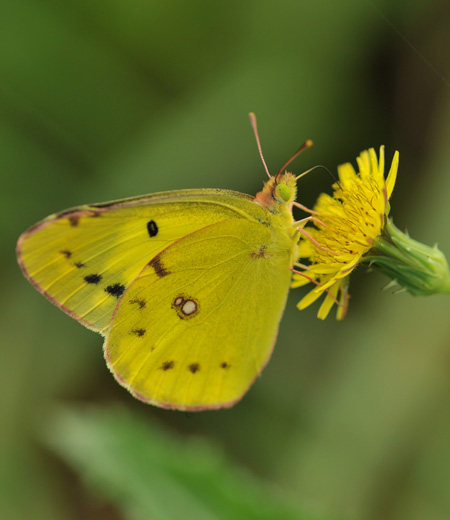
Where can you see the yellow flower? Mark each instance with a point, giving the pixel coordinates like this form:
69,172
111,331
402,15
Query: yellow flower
346,227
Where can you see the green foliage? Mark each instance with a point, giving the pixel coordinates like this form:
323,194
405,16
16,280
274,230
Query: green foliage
149,472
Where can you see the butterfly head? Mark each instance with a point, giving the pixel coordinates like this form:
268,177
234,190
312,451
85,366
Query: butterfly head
285,188
278,190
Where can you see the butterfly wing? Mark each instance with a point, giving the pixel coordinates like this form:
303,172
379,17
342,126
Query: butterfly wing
85,258
198,324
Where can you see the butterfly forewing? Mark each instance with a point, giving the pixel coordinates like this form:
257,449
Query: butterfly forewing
84,259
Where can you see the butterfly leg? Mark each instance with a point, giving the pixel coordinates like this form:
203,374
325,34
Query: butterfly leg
315,282
304,208
314,241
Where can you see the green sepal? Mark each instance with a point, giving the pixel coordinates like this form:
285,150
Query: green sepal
422,270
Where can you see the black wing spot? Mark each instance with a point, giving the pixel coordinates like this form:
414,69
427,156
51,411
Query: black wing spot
194,367
152,228
66,253
159,268
142,303
79,265
139,332
74,221
116,289
167,365
224,365
93,278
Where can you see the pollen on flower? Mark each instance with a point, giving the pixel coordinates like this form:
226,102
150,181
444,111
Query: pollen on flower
351,219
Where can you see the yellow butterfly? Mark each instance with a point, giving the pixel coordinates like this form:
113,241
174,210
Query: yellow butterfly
188,287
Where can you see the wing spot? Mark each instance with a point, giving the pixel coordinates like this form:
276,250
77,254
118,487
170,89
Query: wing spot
189,307
74,221
142,303
186,307
139,332
159,267
261,253
93,278
167,365
79,265
116,290
66,253
224,365
152,228
194,367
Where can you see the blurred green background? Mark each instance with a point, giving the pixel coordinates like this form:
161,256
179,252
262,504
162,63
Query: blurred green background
104,100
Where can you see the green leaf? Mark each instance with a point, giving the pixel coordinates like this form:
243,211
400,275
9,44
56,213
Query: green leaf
150,473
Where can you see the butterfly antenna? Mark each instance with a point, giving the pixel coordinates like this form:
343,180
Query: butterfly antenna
307,144
314,168
255,131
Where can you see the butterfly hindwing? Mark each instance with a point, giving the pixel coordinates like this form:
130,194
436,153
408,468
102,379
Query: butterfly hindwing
198,324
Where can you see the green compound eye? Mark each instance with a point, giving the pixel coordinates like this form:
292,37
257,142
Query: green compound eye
283,191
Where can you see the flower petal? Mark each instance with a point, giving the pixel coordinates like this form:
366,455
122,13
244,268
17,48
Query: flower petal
392,175
328,302
376,172
306,301
364,164
299,281
327,268
347,175
381,162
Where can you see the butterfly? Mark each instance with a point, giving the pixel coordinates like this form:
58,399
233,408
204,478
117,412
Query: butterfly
188,287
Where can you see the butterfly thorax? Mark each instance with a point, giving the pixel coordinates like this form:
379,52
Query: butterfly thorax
276,197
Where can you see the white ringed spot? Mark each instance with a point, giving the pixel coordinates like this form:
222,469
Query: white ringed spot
186,307
189,307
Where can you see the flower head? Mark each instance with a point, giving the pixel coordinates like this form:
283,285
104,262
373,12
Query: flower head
346,228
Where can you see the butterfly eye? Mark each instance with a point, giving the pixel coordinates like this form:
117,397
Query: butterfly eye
283,191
